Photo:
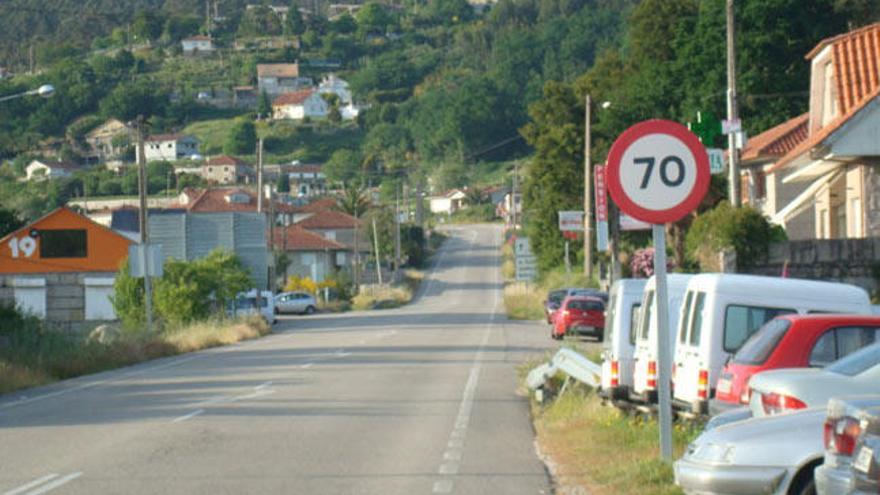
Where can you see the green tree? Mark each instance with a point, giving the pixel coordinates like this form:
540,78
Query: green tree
128,299
353,201
241,139
743,229
9,221
283,183
294,24
264,106
128,100
343,166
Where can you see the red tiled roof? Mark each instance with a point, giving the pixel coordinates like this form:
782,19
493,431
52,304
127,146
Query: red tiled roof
777,141
214,201
225,160
300,239
277,70
318,205
295,98
329,219
198,37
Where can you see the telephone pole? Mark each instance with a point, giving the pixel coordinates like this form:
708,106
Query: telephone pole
259,295
588,200
732,110
142,219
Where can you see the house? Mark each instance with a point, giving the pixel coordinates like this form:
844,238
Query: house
336,226
334,85
43,169
837,164
277,79
448,202
197,45
61,268
767,192
170,147
230,199
225,170
311,254
307,180
299,105
108,140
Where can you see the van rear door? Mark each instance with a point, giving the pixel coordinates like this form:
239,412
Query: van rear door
687,351
643,352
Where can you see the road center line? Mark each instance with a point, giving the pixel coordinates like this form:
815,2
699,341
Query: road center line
55,484
188,416
28,486
263,385
307,366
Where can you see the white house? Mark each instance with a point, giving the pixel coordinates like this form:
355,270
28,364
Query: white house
41,169
170,147
448,202
300,104
333,85
195,45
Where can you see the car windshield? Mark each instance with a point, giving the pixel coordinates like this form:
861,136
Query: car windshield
857,362
761,344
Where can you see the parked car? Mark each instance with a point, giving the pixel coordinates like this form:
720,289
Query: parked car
555,298
772,455
245,304
779,391
295,302
852,437
645,363
721,311
580,315
621,318
792,341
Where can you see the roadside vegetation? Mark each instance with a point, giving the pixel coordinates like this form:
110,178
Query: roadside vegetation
389,296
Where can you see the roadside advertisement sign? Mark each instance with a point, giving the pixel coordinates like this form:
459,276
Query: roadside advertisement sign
571,221
601,208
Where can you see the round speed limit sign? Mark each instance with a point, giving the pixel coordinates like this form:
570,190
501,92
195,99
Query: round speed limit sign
657,171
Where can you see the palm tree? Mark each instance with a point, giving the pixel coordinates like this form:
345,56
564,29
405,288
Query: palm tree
353,201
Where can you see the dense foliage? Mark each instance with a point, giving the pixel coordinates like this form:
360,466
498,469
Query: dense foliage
743,229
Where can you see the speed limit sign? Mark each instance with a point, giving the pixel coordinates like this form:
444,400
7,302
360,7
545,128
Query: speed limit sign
658,171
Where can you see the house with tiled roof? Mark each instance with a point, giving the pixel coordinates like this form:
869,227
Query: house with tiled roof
197,45
226,170
277,79
299,105
311,254
169,147
229,199
836,165
336,226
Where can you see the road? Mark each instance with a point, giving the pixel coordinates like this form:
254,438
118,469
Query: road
417,400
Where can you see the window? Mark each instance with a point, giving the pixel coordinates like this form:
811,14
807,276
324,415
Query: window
740,322
759,346
646,315
682,325
609,321
633,321
697,319
586,305
824,352
760,184
63,243
857,362
841,342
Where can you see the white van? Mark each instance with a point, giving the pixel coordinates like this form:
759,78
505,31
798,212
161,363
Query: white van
245,304
621,319
645,366
722,310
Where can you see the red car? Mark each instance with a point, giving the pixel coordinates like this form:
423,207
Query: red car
793,341
581,315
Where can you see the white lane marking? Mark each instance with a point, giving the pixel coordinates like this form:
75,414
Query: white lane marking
263,385
307,366
448,468
452,455
28,486
188,416
455,443
258,393
443,486
55,484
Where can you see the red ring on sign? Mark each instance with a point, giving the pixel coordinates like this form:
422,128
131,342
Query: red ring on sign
640,130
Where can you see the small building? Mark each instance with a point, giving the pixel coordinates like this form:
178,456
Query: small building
307,180
334,85
311,254
230,199
61,268
336,226
109,139
44,169
277,79
227,170
448,202
299,105
170,147
197,45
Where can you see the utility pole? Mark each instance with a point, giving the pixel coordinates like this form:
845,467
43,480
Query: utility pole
272,241
588,203
614,244
513,218
142,218
732,110
376,245
259,297
396,236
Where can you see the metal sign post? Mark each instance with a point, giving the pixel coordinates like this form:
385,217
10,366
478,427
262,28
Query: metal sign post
658,172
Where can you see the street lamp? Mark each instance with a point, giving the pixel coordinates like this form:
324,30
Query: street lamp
45,91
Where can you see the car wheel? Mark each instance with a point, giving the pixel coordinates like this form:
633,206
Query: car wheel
310,310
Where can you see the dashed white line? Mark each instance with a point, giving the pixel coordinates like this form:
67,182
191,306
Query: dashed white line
307,366
55,484
443,486
263,385
28,486
188,416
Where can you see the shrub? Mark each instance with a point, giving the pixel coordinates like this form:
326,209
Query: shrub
304,284
743,229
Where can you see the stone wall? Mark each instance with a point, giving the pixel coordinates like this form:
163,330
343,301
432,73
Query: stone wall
844,260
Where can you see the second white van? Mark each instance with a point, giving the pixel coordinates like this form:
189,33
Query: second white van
621,318
645,366
722,310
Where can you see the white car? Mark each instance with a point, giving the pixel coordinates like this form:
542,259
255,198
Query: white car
246,304
295,302
778,391
850,465
771,455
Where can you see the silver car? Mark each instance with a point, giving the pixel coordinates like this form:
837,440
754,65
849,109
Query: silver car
295,302
778,391
852,447
771,455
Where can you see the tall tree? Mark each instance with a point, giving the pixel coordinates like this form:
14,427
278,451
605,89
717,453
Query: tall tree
242,138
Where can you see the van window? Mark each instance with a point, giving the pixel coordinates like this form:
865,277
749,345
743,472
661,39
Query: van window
740,322
682,325
759,346
646,315
697,318
633,322
609,320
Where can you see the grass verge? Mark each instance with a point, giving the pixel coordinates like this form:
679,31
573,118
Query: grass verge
389,296
524,301
34,356
601,450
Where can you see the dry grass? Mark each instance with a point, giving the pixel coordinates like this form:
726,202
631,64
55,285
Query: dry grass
386,296
524,301
213,333
603,451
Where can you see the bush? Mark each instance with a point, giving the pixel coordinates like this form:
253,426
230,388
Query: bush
743,229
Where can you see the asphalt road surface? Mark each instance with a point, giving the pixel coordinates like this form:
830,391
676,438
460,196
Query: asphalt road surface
417,400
